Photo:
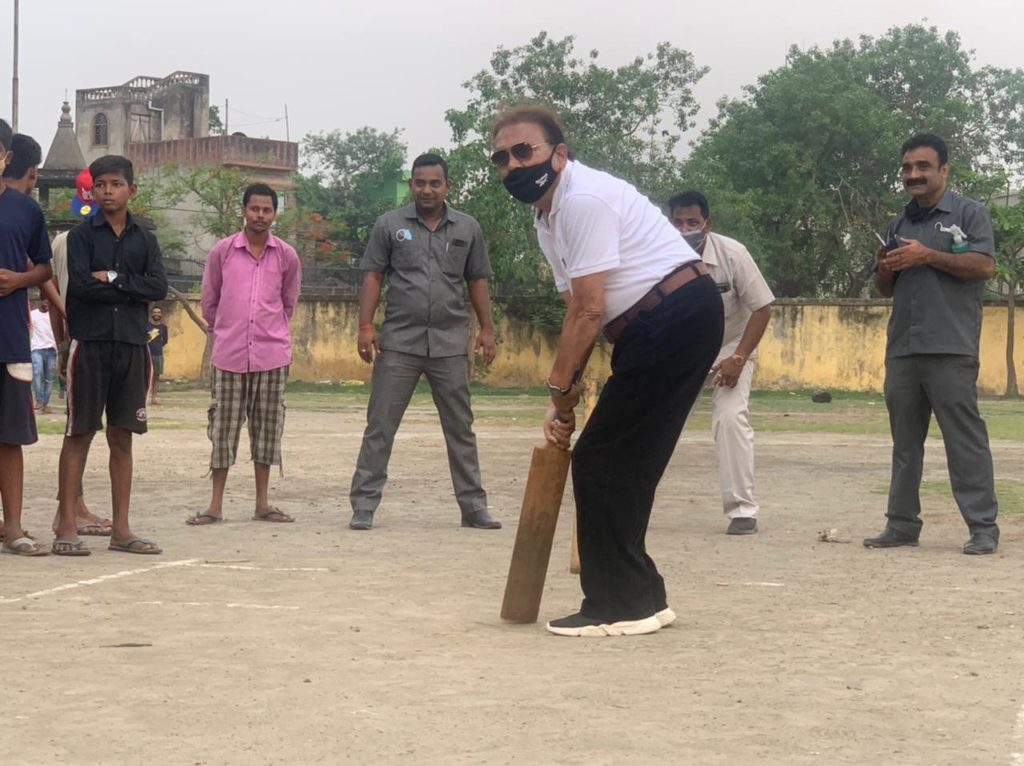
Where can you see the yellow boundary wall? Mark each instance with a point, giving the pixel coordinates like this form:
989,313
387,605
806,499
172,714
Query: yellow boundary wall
808,344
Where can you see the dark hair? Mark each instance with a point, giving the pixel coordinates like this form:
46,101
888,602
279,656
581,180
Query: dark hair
688,199
536,114
113,163
430,160
5,135
929,140
259,190
27,154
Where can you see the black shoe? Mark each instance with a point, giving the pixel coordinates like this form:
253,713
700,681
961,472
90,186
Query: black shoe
742,526
578,625
480,520
890,538
361,520
980,544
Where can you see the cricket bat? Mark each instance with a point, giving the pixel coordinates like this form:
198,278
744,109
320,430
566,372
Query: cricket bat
541,501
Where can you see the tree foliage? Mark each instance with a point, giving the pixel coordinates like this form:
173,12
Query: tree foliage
215,189
627,120
347,181
804,167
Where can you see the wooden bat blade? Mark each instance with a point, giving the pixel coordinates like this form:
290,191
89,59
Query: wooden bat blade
541,501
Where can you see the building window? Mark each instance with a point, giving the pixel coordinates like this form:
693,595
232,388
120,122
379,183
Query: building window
99,130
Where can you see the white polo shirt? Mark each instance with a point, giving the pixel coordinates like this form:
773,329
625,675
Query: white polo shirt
741,285
601,223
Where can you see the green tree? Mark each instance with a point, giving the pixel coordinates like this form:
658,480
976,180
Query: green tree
1008,223
350,179
216,189
216,123
804,167
627,120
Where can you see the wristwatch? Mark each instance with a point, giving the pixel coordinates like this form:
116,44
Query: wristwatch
111,276
738,359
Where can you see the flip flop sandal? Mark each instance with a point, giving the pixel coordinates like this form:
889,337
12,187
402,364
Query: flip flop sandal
131,546
273,515
203,520
25,546
69,548
99,529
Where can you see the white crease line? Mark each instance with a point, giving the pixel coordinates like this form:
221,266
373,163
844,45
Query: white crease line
753,584
229,606
98,580
250,568
1017,756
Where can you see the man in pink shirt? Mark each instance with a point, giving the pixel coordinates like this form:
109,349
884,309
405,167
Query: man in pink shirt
250,286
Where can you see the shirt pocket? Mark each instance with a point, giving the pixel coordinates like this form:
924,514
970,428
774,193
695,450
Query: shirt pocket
730,298
453,260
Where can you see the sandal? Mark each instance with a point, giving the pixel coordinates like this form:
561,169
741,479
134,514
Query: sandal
134,545
25,546
203,520
96,528
274,515
69,548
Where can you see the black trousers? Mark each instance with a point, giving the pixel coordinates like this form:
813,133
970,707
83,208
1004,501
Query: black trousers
659,365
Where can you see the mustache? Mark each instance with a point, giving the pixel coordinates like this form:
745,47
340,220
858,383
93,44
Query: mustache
919,182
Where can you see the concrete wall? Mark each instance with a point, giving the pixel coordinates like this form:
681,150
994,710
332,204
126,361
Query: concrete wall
807,345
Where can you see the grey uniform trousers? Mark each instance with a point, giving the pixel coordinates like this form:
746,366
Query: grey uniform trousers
946,384
394,380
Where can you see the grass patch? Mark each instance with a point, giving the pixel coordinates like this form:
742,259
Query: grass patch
56,427
1010,493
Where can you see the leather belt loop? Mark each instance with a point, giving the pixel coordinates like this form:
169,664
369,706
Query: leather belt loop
668,285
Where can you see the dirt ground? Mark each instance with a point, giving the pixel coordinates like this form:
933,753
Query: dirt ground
253,643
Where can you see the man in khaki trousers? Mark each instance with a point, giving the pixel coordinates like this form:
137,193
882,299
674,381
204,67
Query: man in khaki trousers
748,304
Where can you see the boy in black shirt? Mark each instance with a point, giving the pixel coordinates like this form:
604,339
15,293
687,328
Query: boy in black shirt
114,270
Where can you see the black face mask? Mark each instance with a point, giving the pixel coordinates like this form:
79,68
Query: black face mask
915,213
530,184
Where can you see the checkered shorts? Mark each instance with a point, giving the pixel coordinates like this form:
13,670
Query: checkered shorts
240,396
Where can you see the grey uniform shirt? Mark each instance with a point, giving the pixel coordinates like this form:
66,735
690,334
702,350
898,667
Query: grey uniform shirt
426,272
934,312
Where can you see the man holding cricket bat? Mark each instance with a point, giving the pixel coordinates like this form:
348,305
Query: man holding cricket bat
621,267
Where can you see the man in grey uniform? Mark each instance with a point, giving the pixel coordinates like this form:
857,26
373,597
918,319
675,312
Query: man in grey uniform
426,251
940,252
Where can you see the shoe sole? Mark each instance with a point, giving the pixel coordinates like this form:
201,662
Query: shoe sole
971,552
621,628
666,616
907,544
741,531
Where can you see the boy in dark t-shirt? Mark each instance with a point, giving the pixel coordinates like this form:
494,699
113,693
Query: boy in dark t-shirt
22,232
114,270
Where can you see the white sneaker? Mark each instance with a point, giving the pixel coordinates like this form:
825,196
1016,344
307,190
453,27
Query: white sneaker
666,616
578,625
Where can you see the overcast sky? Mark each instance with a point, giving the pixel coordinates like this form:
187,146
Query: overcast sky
340,64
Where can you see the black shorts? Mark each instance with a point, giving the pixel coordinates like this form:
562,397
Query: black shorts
158,365
17,421
107,375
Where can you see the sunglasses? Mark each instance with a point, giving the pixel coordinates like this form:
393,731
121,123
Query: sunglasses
522,152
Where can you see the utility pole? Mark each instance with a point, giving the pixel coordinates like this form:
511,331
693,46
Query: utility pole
14,77
287,132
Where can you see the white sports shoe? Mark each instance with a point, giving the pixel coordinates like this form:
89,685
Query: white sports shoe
666,616
578,625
